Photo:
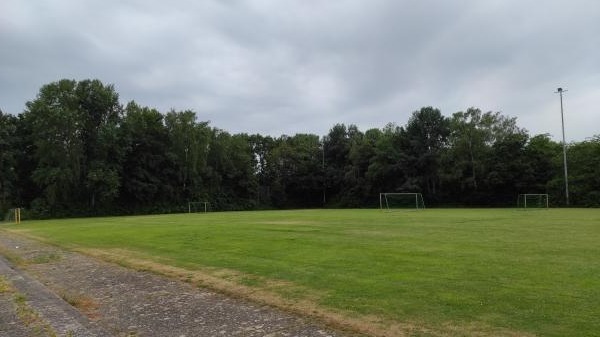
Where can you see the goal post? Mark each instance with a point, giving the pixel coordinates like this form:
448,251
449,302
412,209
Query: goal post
396,201
198,206
13,215
532,200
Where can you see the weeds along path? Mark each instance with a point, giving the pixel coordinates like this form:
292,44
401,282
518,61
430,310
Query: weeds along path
65,293
35,310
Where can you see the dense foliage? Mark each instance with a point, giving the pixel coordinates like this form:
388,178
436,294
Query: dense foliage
76,150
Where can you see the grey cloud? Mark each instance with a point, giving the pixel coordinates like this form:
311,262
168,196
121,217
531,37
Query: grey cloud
300,66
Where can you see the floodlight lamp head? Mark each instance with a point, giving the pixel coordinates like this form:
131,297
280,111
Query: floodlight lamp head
559,89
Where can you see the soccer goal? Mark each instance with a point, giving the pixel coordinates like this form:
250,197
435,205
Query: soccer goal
531,200
398,201
198,206
13,215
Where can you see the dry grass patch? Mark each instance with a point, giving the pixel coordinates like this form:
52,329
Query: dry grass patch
5,286
85,304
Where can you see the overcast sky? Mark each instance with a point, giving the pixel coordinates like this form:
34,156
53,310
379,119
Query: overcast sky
284,67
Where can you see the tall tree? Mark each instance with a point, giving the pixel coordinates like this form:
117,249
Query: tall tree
337,145
390,168
101,114
266,173
189,142
297,171
358,191
584,172
428,131
25,189
541,153
508,168
469,138
73,129
56,125
472,135
231,171
8,160
148,170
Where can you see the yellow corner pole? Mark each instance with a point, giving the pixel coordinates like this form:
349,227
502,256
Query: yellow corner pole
18,215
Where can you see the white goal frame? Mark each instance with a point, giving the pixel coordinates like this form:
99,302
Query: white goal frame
385,206
205,204
524,196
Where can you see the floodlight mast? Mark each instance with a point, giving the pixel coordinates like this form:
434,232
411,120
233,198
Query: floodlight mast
562,118
323,167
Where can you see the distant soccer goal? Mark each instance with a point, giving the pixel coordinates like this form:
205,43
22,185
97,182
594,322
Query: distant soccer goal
13,215
198,206
532,200
390,202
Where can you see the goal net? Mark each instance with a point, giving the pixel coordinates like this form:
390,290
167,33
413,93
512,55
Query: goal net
398,201
531,200
198,206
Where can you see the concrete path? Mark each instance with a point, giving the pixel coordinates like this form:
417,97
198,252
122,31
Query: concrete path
125,302
62,317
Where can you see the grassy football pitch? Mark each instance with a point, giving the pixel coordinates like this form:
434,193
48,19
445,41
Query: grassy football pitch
438,271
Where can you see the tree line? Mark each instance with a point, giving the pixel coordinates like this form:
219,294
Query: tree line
76,151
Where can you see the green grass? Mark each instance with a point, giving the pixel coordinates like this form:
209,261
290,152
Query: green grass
525,271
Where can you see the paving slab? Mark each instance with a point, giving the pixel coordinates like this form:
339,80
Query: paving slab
125,302
60,315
